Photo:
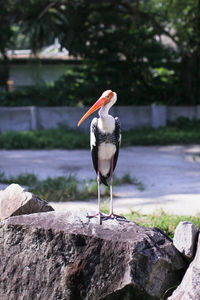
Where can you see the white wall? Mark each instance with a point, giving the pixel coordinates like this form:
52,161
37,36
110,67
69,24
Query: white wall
25,118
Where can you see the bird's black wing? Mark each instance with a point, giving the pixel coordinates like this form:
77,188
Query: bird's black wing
118,140
94,142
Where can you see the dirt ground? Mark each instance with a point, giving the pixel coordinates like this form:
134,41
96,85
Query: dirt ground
170,175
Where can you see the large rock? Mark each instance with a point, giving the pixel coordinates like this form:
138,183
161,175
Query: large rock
15,200
58,255
185,239
189,289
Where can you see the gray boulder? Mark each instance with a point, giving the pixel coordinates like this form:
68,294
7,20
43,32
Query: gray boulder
58,255
15,200
185,239
190,285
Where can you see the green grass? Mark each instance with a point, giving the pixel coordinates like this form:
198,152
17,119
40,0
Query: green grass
60,138
22,179
54,189
158,219
182,131
162,220
64,188
69,189
127,179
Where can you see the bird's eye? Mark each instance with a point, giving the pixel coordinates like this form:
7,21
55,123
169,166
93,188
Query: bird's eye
108,97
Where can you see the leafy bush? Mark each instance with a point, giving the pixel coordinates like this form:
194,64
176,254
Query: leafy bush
82,84
64,92
44,139
182,131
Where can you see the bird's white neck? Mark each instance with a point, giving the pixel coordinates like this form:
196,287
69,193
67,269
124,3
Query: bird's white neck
104,112
106,122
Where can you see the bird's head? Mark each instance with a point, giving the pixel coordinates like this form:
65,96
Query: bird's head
108,98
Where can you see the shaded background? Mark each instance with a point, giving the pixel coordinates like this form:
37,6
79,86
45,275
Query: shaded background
148,51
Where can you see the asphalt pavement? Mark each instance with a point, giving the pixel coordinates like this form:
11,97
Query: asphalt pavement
169,175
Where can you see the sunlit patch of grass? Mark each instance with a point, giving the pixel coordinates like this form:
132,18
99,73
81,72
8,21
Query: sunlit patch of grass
105,207
161,220
69,189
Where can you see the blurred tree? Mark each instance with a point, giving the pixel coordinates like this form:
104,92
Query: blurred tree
38,22
122,46
179,21
119,48
183,23
6,33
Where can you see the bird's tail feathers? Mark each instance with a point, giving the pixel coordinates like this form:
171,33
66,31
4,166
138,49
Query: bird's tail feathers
103,180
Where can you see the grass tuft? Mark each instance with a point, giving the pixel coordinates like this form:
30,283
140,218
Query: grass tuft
161,220
69,189
62,188
127,179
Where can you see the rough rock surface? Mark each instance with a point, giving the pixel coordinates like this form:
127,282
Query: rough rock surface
185,239
189,289
15,200
58,255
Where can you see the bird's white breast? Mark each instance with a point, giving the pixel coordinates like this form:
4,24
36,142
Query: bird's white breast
106,151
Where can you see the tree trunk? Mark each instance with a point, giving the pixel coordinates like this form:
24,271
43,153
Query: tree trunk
4,73
190,78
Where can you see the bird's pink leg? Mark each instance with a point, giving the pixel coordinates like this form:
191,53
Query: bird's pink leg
99,213
99,194
112,215
111,187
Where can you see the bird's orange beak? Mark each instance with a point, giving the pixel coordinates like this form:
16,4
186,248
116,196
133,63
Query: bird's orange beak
98,104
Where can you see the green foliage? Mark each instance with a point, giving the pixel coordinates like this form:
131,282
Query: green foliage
44,139
62,188
22,179
121,44
55,189
70,189
58,94
182,131
58,189
127,179
161,220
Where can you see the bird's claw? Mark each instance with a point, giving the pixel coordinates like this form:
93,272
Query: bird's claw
103,217
115,216
98,214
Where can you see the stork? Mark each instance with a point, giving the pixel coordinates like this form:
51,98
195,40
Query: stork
105,138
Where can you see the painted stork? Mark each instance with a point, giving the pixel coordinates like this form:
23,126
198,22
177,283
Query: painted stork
105,138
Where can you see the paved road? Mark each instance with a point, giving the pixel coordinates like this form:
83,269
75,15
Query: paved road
170,175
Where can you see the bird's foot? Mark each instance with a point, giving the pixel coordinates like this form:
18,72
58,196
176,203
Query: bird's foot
98,215
114,216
